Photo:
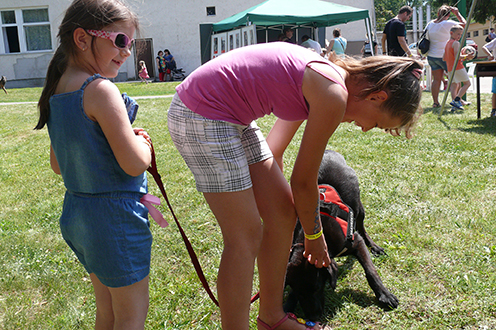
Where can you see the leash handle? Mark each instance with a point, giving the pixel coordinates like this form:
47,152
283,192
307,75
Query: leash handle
194,259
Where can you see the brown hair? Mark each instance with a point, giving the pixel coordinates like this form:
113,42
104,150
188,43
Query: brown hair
405,9
456,28
86,14
397,76
336,32
442,12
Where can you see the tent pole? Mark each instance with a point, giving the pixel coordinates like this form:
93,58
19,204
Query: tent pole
368,28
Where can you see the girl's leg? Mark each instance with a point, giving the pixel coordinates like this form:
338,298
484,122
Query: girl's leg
104,312
463,89
121,308
275,204
454,90
241,228
437,78
130,305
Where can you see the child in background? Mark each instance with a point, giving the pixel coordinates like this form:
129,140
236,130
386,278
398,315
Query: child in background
143,72
461,75
489,49
102,159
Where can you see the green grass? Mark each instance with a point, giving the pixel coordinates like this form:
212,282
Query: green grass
430,202
131,88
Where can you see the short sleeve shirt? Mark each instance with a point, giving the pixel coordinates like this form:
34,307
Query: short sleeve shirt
394,28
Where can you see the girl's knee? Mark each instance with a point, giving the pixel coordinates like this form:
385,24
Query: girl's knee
245,244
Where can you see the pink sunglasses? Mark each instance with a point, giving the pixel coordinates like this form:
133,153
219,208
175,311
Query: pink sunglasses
119,39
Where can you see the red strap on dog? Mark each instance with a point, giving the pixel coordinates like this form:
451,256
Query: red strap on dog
333,206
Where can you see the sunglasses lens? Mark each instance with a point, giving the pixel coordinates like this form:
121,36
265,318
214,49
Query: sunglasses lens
121,40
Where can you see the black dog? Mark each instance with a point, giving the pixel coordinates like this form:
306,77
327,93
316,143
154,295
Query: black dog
3,81
308,282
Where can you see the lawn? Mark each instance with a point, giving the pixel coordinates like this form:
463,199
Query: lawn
430,202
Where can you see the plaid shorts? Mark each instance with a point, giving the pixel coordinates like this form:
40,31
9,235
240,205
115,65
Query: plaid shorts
217,152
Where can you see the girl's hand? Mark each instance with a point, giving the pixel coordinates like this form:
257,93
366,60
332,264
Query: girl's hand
142,132
146,137
316,252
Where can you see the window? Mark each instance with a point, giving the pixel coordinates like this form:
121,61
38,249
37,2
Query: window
476,34
468,34
210,11
485,32
25,30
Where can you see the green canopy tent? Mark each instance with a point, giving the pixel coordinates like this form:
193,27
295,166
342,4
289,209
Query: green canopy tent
277,14
307,13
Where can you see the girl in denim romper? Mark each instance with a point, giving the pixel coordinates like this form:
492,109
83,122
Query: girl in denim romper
101,158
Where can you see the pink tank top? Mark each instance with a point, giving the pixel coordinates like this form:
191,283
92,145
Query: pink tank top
251,82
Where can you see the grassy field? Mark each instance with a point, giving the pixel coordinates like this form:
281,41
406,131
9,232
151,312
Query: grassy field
430,202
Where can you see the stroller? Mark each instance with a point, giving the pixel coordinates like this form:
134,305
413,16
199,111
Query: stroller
178,74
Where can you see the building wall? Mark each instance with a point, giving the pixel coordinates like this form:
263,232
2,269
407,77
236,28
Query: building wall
170,24
478,32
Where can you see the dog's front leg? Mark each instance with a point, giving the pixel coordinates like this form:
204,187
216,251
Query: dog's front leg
385,297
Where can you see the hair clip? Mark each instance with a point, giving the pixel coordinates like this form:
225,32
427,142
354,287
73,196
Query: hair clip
417,73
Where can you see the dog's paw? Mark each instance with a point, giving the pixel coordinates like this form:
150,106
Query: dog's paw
388,300
377,251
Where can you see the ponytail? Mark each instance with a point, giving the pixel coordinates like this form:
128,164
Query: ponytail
56,68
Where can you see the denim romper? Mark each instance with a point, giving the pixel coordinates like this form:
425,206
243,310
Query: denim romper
103,220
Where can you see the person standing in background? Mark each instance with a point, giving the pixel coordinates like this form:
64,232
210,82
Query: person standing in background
338,44
311,44
438,32
161,65
394,34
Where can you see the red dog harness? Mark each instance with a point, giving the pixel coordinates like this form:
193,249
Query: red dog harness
332,206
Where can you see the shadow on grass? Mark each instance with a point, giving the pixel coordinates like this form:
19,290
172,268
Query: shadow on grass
479,126
335,300
482,126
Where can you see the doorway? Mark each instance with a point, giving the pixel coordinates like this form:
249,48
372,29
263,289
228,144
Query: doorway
143,51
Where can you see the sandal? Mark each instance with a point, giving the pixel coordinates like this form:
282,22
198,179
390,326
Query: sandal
436,105
310,325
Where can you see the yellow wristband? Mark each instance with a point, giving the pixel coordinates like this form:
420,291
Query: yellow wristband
314,236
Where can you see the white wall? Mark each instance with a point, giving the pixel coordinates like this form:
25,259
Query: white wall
177,26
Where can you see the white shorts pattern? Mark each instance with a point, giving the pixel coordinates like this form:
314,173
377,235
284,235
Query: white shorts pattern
217,152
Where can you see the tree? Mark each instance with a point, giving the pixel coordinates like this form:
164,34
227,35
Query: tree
484,9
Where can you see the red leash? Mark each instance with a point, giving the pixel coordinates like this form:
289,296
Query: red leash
194,259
